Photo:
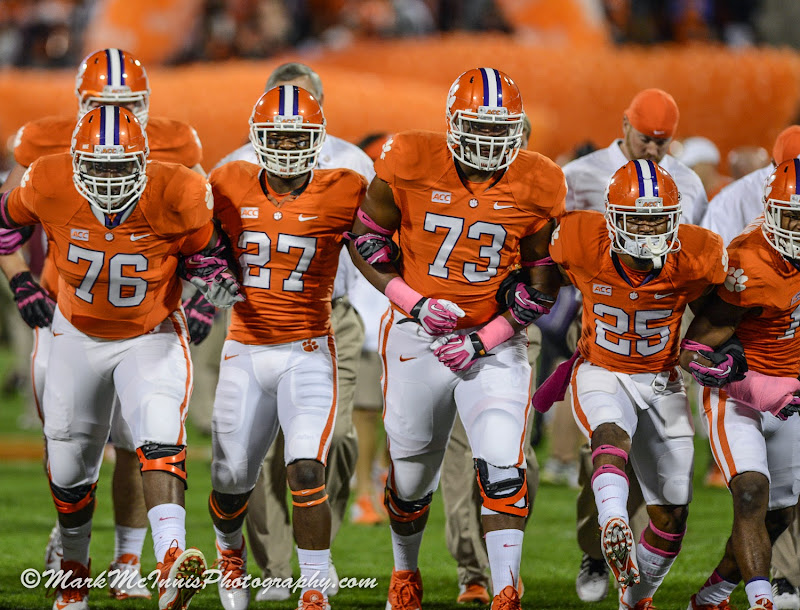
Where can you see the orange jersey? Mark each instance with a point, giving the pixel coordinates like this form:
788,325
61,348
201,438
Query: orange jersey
168,140
121,282
626,328
288,253
758,276
456,241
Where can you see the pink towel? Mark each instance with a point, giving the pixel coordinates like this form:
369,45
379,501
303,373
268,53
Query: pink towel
555,386
762,392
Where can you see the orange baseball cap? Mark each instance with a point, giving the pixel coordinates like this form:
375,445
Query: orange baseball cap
654,113
787,144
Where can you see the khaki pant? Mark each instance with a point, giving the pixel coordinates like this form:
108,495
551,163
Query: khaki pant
269,531
786,552
462,499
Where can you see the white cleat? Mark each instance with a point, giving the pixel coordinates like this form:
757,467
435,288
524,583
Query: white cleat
181,573
233,593
334,578
54,553
591,585
127,582
785,595
619,550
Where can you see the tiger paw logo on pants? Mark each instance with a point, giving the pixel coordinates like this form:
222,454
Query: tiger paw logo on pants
735,282
310,345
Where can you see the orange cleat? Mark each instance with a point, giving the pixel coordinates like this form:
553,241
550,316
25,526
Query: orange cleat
73,597
313,600
474,593
507,599
405,591
363,512
618,547
693,605
181,576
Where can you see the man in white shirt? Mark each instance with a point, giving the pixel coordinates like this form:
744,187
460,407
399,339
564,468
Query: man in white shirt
648,125
741,202
268,526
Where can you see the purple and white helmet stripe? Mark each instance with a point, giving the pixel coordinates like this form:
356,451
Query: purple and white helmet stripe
648,179
492,88
288,100
109,125
116,68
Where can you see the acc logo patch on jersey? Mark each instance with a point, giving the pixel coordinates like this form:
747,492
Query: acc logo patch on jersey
735,282
79,234
441,197
601,289
249,212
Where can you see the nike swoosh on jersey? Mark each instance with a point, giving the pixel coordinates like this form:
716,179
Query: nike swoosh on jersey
662,296
231,356
402,359
138,237
497,206
302,218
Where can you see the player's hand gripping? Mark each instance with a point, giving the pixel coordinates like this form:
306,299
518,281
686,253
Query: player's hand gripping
34,304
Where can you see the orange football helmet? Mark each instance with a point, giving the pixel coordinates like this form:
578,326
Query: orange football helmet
109,158
639,190
484,119
781,195
113,76
287,129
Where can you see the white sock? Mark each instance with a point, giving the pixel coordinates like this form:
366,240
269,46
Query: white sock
168,524
715,590
128,541
75,542
611,497
314,569
653,568
758,591
232,541
406,551
504,548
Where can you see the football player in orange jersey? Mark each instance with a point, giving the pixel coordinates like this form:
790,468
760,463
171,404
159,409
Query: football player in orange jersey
278,366
466,207
637,270
753,432
107,76
119,328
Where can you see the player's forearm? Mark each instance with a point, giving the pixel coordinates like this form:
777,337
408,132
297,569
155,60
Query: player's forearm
13,264
703,331
378,275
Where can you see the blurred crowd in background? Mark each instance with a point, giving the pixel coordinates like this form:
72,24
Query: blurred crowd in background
51,33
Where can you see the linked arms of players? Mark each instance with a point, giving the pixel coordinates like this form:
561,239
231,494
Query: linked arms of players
374,253
211,271
714,356
33,302
527,296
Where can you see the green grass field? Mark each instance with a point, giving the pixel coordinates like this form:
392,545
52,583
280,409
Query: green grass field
550,560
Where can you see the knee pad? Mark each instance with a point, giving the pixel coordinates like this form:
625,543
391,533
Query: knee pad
503,490
405,511
166,458
227,507
73,499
